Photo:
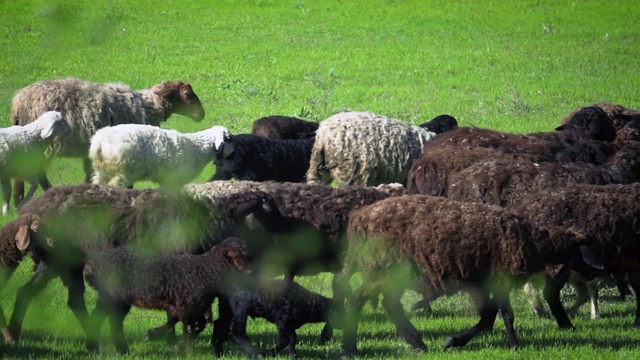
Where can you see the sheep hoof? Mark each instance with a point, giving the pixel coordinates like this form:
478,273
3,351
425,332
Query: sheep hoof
8,338
93,346
450,342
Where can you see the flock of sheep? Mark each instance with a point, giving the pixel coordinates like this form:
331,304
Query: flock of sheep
435,208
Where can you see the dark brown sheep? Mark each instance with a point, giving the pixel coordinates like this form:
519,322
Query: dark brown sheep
506,183
459,148
278,127
609,213
184,285
474,245
68,222
617,113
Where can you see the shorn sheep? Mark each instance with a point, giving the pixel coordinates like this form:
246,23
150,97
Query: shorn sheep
581,139
124,154
254,158
473,245
24,150
363,148
278,127
89,106
104,217
184,285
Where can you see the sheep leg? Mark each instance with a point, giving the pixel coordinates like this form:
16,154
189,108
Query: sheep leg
285,337
502,300
327,333
4,276
239,330
221,326
18,191
5,185
88,169
488,312
167,330
404,328
350,327
634,281
74,282
38,281
552,296
99,314
116,320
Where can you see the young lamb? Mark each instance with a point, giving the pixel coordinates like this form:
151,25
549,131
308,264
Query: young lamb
440,124
24,150
363,148
105,217
184,285
89,106
254,158
285,304
277,127
579,140
478,246
124,154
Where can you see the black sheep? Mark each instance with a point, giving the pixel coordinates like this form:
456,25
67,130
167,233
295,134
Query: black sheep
278,127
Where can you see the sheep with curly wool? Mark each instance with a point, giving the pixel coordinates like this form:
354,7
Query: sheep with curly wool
363,148
278,127
609,213
581,139
483,247
89,106
124,154
184,285
105,217
506,183
254,158
24,150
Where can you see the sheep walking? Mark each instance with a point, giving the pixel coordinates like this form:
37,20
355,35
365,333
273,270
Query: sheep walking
105,217
24,150
89,106
253,158
367,149
184,285
277,127
285,304
124,154
478,246
581,139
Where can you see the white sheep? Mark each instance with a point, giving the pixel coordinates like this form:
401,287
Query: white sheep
89,106
367,149
25,149
124,154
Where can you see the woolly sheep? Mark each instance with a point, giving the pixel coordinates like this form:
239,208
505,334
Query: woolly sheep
184,285
89,106
104,217
277,127
253,158
579,140
619,114
124,154
24,150
588,209
363,148
477,245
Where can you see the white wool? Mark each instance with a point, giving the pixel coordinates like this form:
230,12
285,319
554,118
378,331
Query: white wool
124,154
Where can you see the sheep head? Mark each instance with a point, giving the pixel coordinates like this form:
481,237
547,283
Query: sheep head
54,125
235,251
594,120
183,99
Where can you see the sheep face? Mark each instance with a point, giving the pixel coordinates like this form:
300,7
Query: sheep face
235,251
28,226
183,99
595,120
56,125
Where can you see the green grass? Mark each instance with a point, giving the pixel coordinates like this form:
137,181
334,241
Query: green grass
518,67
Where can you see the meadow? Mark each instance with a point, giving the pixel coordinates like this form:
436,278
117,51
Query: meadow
518,67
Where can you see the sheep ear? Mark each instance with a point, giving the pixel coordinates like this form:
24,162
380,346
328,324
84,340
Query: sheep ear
560,128
236,258
228,148
590,258
23,238
48,130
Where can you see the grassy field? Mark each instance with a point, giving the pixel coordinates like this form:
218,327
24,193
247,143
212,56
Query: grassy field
518,67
